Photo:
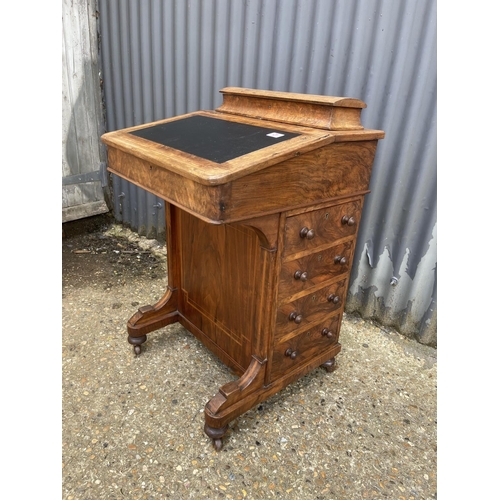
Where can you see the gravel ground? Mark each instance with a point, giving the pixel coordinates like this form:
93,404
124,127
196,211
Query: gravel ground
132,427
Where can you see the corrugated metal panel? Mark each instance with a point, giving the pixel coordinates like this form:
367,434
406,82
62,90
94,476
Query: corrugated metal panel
165,58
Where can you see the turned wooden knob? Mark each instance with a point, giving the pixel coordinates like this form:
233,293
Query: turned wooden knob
295,317
350,221
327,333
305,232
299,275
333,298
291,354
340,260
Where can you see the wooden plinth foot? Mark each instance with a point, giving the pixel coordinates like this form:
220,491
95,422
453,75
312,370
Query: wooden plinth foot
330,365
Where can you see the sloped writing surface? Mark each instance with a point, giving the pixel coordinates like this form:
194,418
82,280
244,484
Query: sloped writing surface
212,138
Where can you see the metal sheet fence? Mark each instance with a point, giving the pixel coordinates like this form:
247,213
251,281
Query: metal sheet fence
162,58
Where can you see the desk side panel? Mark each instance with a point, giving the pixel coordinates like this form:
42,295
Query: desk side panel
222,270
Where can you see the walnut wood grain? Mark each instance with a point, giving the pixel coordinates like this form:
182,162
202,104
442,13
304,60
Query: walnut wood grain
210,173
319,267
286,97
226,282
306,346
266,228
326,224
191,196
311,308
331,113
232,392
259,247
224,309
165,312
252,398
324,174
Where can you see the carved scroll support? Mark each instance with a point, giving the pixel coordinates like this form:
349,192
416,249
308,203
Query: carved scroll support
232,400
150,318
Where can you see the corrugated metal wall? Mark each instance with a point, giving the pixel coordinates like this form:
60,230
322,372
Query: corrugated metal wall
165,58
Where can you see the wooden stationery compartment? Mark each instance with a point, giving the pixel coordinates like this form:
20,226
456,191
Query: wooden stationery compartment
263,198
297,314
313,269
291,352
309,230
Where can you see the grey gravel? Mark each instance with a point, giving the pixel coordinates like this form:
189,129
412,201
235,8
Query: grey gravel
132,427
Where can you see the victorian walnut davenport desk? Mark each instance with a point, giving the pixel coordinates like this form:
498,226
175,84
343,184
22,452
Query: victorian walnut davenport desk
263,201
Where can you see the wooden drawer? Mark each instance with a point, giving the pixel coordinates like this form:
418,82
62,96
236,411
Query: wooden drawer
313,269
307,231
292,352
296,315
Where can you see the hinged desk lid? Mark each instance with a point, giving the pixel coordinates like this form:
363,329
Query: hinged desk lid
213,139
252,130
